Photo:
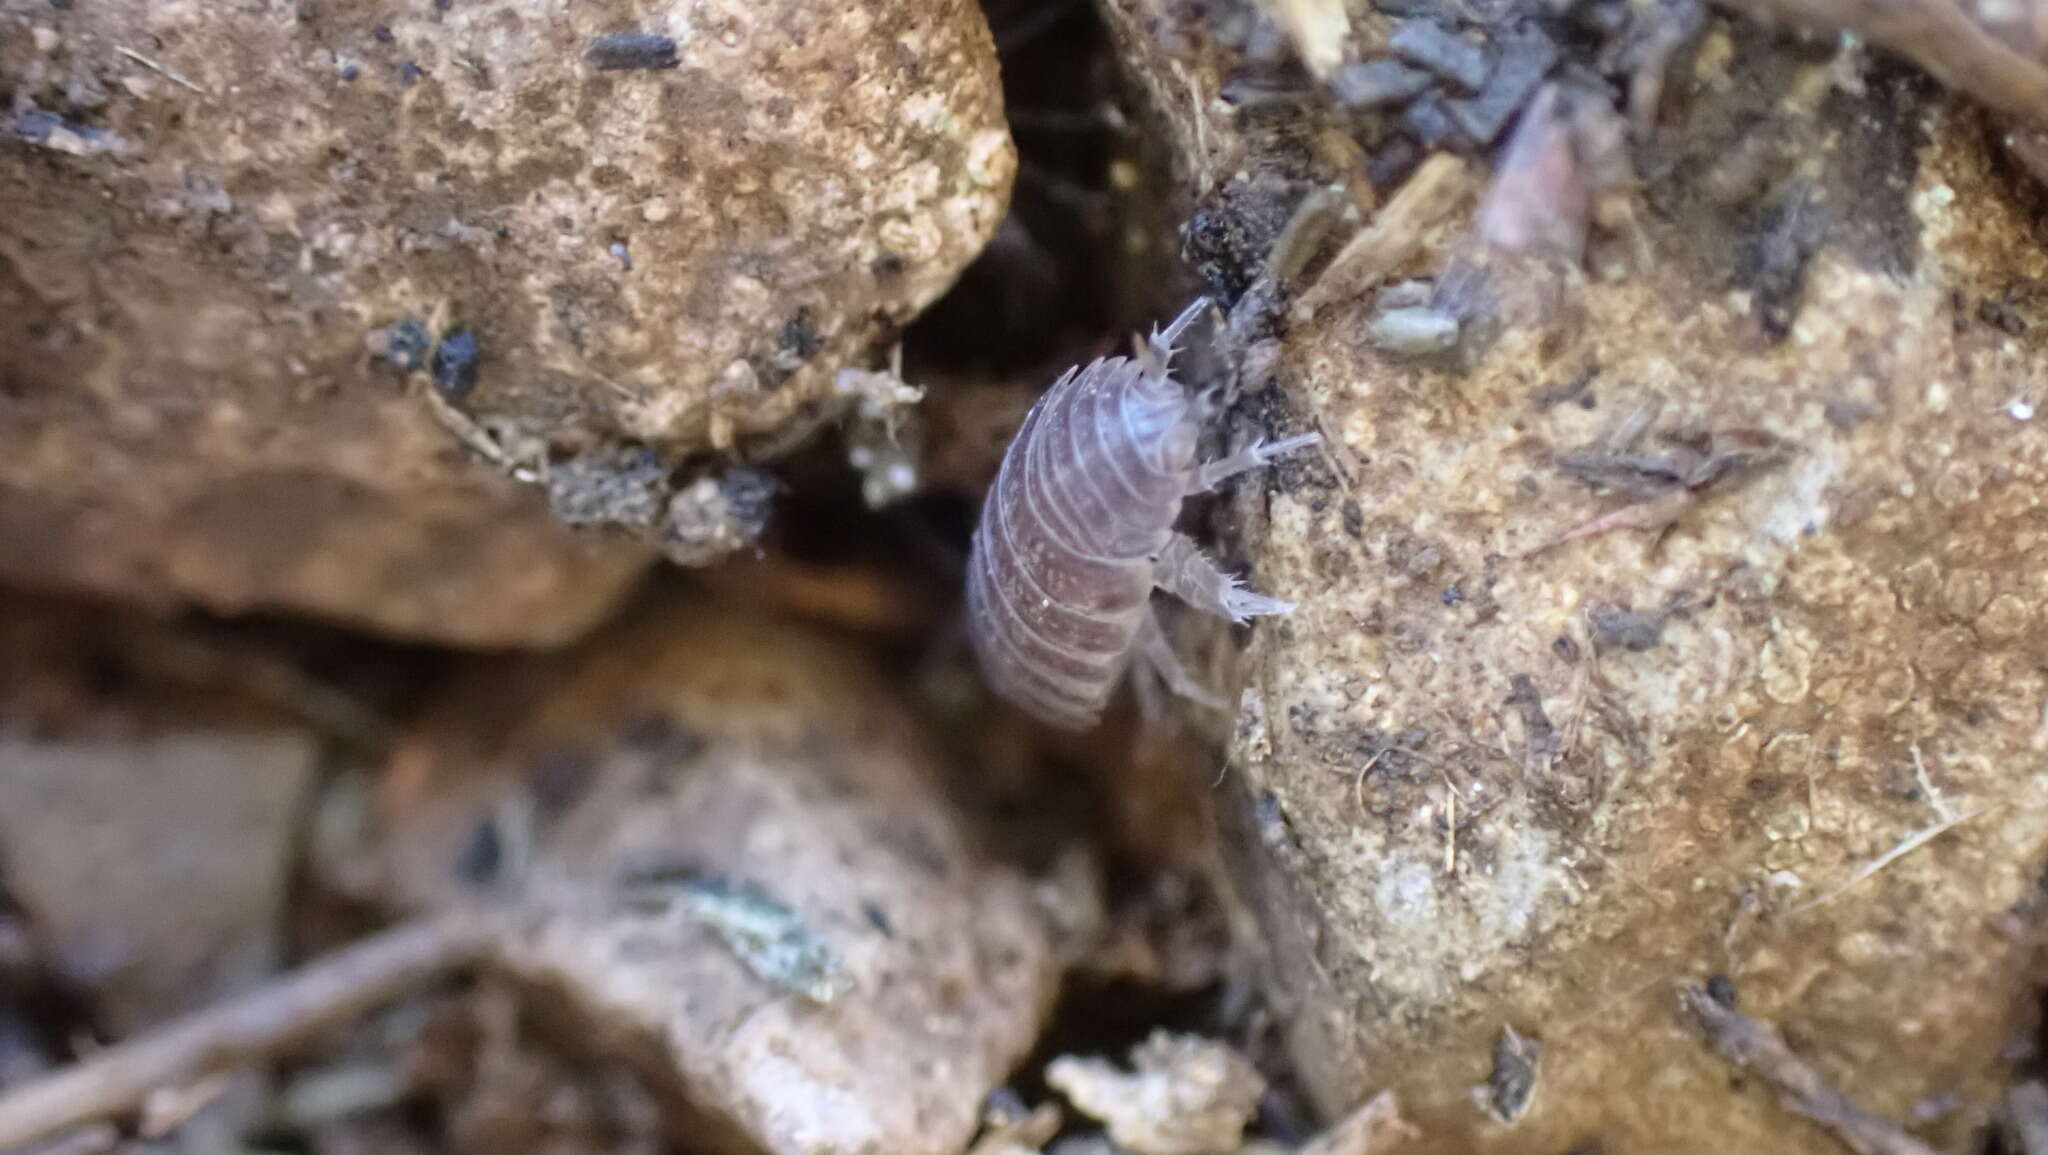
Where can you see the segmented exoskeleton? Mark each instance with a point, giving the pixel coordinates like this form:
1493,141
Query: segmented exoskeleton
1078,529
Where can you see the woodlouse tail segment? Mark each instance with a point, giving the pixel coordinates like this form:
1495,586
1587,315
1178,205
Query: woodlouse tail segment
1257,455
1187,573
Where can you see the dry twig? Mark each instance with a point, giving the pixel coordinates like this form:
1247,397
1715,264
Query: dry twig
156,67
1756,1047
1936,34
1318,29
1907,846
295,1007
1443,189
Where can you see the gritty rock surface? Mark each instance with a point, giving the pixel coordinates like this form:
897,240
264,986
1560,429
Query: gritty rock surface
731,863
1629,807
217,217
1494,775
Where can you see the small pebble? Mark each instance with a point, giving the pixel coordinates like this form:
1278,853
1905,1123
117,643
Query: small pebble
350,72
1414,332
1526,57
2021,409
1372,83
1422,43
1429,122
623,255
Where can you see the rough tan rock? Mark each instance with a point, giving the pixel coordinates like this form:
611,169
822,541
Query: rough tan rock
147,829
216,215
1781,721
730,860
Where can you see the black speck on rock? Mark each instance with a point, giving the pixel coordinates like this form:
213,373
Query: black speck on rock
800,337
406,343
455,364
628,51
1627,629
1231,231
1721,991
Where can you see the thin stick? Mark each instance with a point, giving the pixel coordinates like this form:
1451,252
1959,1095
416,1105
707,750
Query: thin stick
1442,189
1757,1047
1937,35
1912,843
1941,807
242,1030
1450,828
153,66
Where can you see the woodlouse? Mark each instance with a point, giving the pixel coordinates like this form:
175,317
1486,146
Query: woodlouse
1078,529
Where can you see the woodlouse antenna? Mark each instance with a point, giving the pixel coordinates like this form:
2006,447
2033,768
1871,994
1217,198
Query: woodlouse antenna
1163,340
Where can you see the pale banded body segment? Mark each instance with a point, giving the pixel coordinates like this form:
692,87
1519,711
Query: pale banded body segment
1078,529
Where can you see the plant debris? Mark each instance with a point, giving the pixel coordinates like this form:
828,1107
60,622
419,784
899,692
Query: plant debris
1185,1095
1511,1088
251,1027
1757,1047
1667,484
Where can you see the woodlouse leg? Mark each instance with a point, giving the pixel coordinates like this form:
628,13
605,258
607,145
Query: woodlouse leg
1146,683
1257,455
1187,573
1156,658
